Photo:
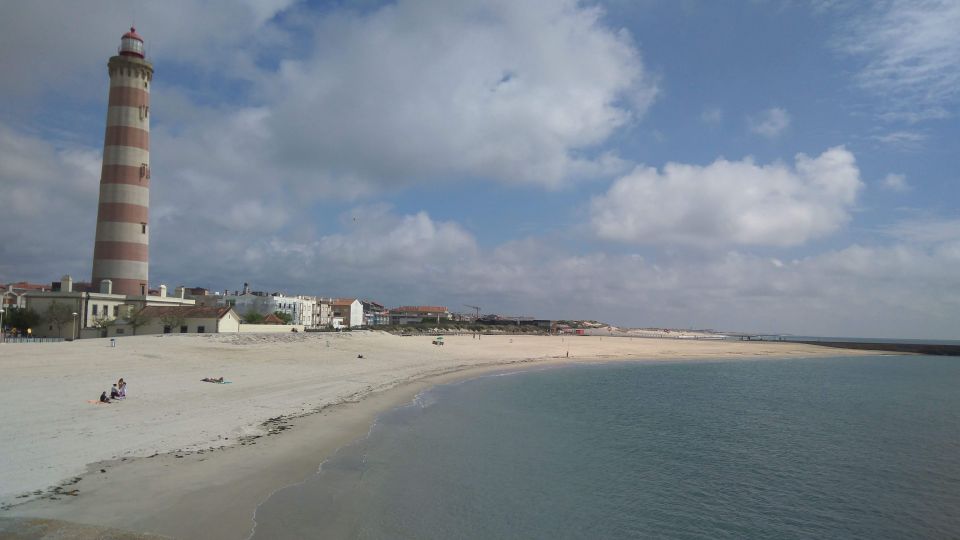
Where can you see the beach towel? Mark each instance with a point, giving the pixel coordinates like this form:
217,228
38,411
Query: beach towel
218,382
96,402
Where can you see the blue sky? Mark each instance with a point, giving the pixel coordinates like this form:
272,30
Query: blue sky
770,166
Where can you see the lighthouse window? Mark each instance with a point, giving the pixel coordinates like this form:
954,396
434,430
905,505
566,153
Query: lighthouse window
143,228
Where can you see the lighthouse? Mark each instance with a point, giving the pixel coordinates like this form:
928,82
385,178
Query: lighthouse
121,250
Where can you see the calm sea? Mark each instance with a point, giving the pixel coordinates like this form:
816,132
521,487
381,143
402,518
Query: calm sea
862,447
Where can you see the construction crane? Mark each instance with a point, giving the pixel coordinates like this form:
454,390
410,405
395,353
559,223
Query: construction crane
476,308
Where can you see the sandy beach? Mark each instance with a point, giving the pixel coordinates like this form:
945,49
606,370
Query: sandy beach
188,459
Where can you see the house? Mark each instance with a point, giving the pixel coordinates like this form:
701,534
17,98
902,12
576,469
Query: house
419,314
322,310
349,311
177,320
70,310
301,309
13,294
374,314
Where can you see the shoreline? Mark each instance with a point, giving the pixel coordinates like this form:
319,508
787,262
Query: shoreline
214,493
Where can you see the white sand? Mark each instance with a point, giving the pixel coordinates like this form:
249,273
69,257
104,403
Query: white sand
49,433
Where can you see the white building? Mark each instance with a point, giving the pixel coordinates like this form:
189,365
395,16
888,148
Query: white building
347,312
70,313
300,309
178,320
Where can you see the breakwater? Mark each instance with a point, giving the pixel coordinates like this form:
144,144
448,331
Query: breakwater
935,349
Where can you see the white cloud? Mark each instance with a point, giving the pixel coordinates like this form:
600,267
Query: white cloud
895,182
911,50
926,231
904,140
730,202
77,37
770,123
416,91
712,116
48,193
513,91
904,288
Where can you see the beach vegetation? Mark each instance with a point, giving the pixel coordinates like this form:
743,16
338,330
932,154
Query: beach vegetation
285,317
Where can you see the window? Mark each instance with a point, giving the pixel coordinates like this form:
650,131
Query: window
94,309
143,289
143,228
201,329
183,329
119,330
166,329
116,311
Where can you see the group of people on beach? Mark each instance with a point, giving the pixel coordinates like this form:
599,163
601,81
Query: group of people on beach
119,391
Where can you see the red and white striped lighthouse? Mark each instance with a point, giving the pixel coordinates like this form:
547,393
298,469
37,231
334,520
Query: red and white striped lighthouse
121,252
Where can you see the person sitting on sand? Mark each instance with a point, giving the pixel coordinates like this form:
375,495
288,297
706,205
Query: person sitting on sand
122,386
104,398
114,393
211,379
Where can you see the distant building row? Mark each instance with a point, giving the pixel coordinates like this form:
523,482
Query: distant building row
73,310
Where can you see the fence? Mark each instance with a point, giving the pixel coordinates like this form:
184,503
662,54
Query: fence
21,339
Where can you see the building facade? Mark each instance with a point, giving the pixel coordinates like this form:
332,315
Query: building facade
419,314
178,320
347,312
374,313
77,312
300,309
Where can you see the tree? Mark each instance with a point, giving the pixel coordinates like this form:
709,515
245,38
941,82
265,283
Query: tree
285,317
172,320
21,318
252,317
138,319
58,315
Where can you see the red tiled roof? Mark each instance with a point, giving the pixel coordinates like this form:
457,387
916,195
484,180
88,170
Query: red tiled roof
26,286
187,312
343,301
272,319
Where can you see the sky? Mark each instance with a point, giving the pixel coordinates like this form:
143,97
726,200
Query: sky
775,166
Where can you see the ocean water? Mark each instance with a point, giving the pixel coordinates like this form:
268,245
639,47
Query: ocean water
859,447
